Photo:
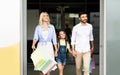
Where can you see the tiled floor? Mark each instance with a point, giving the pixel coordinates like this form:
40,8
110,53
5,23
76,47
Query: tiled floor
69,70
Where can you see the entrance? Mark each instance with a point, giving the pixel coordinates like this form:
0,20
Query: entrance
62,15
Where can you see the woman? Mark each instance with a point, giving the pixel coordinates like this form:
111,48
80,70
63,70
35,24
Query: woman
46,36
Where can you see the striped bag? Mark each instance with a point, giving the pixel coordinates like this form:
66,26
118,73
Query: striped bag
42,61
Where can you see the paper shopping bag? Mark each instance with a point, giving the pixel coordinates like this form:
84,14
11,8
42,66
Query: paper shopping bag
93,62
90,67
42,61
49,67
37,58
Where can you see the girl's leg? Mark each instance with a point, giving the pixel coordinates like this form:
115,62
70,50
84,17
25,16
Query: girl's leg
60,69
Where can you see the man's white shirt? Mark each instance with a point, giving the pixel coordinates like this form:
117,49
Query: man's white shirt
81,37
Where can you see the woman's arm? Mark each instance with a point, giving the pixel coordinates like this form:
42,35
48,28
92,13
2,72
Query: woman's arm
33,44
56,50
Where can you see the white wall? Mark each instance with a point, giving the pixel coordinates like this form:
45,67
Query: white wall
113,37
10,24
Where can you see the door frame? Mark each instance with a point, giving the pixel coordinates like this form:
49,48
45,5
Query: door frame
23,38
23,53
102,69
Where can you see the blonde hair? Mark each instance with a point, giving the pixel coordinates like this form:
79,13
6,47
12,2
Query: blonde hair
41,17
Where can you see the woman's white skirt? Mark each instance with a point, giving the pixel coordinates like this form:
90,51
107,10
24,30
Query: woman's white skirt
48,49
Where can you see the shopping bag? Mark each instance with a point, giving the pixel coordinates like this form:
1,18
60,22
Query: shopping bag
42,61
90,67
92,64
49,67
37,58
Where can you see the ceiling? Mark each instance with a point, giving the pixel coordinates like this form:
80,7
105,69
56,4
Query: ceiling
70,5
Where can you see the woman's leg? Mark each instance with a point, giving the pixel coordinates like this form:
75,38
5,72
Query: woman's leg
45,74
48,73
41,73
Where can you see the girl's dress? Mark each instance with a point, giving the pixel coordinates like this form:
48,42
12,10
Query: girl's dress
61,58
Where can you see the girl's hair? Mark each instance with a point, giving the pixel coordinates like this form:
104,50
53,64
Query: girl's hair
41,17
66,38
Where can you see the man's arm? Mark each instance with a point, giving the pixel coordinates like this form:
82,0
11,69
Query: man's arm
73,38
92,46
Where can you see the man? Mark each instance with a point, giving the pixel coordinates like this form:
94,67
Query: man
82,44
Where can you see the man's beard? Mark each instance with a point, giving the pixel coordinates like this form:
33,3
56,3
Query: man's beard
84,21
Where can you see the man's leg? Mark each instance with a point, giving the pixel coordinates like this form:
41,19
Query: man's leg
86,61
78,60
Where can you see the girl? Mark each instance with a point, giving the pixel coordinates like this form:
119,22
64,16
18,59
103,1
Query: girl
63,46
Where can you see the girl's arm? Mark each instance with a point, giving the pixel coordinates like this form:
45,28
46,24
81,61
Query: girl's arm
68,48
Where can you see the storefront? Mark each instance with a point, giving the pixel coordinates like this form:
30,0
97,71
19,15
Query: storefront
13,39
